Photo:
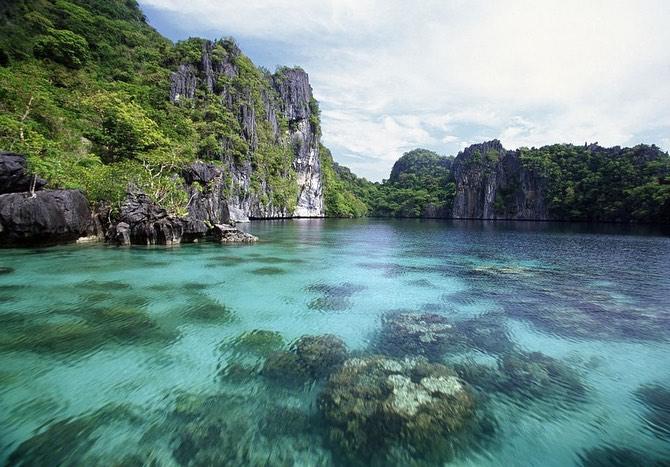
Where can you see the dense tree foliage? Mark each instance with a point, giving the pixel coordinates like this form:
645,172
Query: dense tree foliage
339,190
588,183
84,95
603,184
421,185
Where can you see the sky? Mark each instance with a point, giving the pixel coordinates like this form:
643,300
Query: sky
394,75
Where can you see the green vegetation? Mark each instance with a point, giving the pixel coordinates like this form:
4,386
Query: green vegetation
84,88
421,184
594,183
589,183
339,192
82,96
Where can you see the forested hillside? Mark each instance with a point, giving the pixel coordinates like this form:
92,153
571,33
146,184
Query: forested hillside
97,100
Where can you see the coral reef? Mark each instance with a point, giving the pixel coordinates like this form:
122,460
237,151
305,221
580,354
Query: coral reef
268,271
333,297
70,441
656,399
210,430
309,357
377,408
285,368
259,342
203,308
75,330
485,333
527,375
427,334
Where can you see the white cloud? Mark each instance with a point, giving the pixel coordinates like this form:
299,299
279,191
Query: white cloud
392,75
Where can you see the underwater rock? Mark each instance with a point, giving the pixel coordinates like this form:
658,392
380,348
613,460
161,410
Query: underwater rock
426,334
309,358
320,354
228,234
608,456
376,407
70,441
527,375
334,297
259,342
656,399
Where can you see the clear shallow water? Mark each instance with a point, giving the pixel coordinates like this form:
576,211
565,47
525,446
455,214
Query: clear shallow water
154,355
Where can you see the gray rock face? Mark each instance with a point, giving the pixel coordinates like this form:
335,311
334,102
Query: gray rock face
228,234
491,183
14,176
142,222
208,202
295,93
182,83
293,87
228,194
50,217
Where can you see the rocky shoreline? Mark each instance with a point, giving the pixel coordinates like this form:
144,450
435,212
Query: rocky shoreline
32,215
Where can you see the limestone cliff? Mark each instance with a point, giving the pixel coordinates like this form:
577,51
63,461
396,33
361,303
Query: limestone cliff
491,183
269,117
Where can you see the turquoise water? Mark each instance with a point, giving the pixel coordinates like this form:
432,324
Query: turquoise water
163,356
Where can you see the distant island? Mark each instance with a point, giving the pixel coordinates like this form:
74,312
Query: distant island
134,139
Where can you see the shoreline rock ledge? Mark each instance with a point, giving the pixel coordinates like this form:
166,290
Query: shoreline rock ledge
226,233
30,215
33,216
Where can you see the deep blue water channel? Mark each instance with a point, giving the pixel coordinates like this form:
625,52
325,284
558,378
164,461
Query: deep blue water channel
441,343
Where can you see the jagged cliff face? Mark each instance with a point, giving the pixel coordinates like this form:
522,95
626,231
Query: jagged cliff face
491,183
276,114
296,100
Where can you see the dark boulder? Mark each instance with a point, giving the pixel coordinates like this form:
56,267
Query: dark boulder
228,234
48,217
14,176
207,204
143,222
201,173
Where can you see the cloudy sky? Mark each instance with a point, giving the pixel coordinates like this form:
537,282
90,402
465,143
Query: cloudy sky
392,75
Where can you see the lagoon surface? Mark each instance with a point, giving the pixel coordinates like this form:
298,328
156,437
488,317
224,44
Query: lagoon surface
473,343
